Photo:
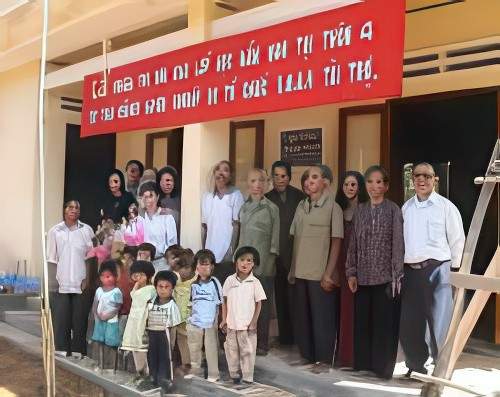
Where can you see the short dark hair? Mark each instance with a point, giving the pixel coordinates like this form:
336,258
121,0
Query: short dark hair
149,186
185,259
341,198
377,168
166,275
204,255
145,267
326,172
426,164
67,203
282,164
148,247
108,266
175,248
131,250
138,163
248,250
175,175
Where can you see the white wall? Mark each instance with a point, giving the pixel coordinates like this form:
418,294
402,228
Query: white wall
19,203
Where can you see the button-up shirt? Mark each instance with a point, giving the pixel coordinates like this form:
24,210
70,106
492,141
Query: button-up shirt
241,298
67,247
313,226
376,247
160,231
433,229
260,228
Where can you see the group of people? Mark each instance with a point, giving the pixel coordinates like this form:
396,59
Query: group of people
348,274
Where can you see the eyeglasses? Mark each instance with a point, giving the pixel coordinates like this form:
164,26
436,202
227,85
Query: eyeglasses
426,176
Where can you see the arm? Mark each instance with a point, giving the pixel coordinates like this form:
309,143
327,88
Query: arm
329,281
223,324
171,229
398,250
351,260
234,241
455,235
203,235
275,232
255,318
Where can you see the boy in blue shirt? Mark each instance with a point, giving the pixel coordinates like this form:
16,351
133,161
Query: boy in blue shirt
202,330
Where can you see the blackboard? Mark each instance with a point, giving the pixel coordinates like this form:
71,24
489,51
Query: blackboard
302,147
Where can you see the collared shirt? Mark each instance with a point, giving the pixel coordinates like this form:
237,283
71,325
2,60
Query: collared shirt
376,247
241,298
433,229
260,228
67,249
182,295
206,296
218,214
292,197
162,316
313,226
160,231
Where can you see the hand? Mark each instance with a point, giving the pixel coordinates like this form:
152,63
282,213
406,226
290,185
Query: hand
252,326
353,284
223,326
327,283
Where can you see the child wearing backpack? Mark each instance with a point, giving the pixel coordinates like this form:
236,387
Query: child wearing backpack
202,330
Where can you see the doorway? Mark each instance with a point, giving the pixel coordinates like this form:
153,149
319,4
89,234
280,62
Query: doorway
88,160
461,128
164,148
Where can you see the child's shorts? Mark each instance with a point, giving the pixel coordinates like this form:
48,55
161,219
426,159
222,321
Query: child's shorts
107,332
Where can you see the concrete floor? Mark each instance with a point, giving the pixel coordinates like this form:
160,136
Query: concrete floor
277,375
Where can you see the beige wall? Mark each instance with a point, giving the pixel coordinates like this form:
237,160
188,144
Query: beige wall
19,202
455,23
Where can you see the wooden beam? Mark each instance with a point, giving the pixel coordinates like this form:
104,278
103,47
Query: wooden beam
444,382
475,281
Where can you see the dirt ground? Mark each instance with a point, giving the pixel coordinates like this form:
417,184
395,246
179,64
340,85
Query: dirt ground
21,374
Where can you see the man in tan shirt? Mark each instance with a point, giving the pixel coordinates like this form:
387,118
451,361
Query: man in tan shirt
318,231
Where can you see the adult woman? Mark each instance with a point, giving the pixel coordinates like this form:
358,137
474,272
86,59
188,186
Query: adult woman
116,200
350,193
260,228
374,269
134,170
219,218
67,245
167,180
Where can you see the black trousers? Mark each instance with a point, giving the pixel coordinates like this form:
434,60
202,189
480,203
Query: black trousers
70,318
265,313
159,358
283,295
316,313
223,270
376,329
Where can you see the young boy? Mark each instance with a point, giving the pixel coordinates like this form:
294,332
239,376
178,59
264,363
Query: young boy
146,252
206,294
243,296
141,273
163,314
182,293
172,254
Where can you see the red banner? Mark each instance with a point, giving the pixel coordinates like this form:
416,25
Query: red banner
346,54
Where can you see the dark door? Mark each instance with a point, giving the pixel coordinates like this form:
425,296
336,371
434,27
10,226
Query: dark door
87,162
461,129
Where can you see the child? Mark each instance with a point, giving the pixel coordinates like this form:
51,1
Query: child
146,252
206,294
243,296
133,227
107,301
125,283
172,254
182,293
163,314
134,339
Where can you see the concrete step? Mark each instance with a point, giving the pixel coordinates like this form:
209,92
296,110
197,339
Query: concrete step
28,321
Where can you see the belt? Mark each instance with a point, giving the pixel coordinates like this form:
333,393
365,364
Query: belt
424,264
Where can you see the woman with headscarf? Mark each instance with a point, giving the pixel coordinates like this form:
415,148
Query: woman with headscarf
167,180
117,200
350,193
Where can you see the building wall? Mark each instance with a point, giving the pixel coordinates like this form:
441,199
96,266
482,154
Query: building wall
19,198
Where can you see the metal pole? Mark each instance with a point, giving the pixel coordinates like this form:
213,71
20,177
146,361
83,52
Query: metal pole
48,333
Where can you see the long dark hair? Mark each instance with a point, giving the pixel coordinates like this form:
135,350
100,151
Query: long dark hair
172,171
342,199
120,176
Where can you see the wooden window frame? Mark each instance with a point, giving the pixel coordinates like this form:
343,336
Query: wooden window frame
234,126
150,143
344,113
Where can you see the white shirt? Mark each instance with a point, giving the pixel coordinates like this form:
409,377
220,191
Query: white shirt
433,229
67,249
218,214
160,231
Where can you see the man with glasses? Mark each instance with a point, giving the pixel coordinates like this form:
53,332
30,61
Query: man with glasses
434,241
287,198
